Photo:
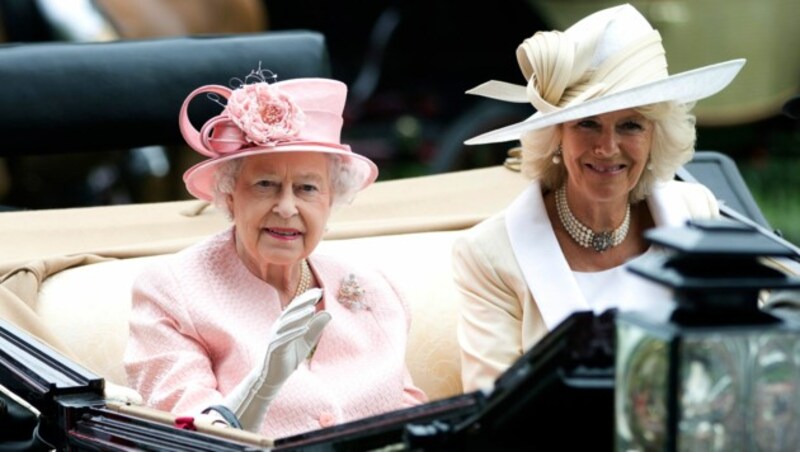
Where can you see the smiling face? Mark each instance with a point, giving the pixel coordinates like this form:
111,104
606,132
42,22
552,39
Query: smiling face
605,155
280,205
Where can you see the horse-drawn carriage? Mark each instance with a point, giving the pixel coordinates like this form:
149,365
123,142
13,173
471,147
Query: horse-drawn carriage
67,273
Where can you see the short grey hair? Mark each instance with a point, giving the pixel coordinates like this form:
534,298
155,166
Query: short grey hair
344,181
674,136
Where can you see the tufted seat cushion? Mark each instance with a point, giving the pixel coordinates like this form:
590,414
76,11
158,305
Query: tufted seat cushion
88,306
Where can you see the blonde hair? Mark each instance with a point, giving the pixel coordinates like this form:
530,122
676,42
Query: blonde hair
674,136
344,182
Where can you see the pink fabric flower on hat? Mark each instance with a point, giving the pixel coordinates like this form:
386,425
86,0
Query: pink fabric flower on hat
264,113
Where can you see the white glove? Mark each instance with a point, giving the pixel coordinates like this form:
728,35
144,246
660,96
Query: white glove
121,394
292,337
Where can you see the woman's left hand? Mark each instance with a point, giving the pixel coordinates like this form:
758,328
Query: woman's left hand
293,336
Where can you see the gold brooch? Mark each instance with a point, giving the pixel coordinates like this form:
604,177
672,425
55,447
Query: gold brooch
351,294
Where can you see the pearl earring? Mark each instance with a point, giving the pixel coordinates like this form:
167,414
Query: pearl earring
557,155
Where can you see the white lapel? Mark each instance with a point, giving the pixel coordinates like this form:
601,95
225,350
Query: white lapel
539,256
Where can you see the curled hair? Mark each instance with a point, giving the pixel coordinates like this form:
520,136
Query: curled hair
674,136
224,183
344,182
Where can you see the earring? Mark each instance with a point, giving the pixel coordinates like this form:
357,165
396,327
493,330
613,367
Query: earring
557,155
649,165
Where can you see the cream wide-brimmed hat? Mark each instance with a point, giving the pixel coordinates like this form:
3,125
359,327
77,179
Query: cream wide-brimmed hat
297,115
610,60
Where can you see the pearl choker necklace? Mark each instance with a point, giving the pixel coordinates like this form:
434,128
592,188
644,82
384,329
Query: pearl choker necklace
305,278
584,236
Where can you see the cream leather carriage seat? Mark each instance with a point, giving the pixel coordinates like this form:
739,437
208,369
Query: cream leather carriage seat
88,306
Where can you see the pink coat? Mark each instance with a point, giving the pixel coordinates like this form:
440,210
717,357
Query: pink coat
200,322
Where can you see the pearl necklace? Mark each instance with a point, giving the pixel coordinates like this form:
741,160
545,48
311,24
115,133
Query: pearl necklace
584,236
305,279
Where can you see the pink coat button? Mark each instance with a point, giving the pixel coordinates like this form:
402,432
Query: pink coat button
327,419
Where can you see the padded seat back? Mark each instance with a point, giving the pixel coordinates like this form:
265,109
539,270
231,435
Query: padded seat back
78,97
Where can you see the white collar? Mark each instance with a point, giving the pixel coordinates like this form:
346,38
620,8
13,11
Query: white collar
667,206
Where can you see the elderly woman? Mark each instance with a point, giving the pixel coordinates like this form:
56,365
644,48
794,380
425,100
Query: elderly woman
610,131
250,325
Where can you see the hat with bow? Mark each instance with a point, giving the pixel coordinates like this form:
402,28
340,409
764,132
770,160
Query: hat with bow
610,60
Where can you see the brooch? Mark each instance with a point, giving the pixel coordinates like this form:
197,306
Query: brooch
351,294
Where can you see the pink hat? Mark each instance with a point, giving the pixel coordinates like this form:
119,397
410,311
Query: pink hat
297,115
